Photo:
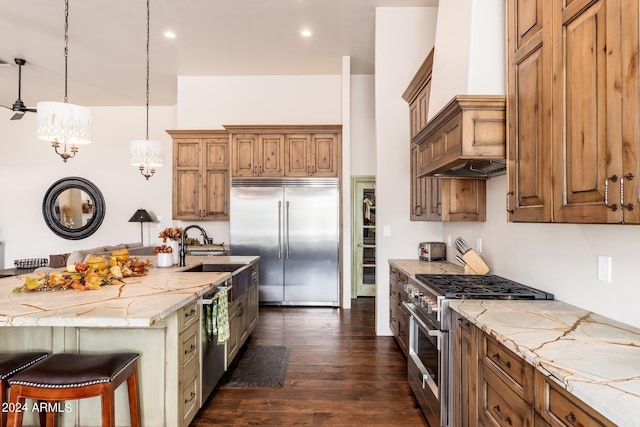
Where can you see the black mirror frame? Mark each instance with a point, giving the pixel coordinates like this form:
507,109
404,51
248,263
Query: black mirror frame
48,208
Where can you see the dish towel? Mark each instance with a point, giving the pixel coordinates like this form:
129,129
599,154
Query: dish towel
222,317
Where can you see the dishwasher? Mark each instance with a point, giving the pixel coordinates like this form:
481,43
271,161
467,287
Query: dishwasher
212,354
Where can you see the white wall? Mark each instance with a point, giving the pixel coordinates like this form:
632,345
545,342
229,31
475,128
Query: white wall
363,136
404,37
29,166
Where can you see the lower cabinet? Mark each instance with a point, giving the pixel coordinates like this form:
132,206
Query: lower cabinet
243,316
492,386
398,314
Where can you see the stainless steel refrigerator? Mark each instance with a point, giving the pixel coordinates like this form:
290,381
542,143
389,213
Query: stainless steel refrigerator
293,225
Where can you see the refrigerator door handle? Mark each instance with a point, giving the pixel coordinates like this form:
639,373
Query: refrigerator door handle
287,229
279,230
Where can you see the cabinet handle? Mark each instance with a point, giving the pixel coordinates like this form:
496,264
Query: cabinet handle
496,409
191,349
613,178
510,193
191,313
308,169
191,397
571,418
628,177
496,357
418,210
463,322
260,170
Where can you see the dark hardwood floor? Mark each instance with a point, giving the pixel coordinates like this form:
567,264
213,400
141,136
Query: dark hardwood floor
340,374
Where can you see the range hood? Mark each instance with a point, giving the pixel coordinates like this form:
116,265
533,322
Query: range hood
466,139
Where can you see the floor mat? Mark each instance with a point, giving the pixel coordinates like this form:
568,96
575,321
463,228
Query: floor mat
259,366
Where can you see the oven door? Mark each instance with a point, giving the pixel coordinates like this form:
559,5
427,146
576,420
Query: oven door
428,367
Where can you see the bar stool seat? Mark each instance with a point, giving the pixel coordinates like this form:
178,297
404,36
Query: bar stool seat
11,364
66,376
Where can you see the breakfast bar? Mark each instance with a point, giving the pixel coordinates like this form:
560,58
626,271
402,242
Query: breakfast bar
155,315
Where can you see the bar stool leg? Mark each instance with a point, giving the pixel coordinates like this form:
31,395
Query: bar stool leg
134,397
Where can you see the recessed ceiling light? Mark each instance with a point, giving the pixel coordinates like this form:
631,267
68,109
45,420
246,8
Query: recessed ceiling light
306,33
169,34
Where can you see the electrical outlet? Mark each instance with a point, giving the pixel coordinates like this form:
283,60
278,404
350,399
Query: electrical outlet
449,240
479,245
386,230
604,268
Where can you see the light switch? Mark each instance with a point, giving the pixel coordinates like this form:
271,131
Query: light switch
604,268
449,240
479,245
386,230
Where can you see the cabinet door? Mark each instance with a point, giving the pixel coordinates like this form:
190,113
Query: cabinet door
324,155
216,189
297,155
528,112
271,155
587,105
433,197
187,203
464,371
216,153
464,199
244,152
426,194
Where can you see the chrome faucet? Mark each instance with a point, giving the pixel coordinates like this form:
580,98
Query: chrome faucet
183,247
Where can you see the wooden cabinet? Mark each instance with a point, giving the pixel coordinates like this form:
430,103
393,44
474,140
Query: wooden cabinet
285,151
398,314
446,199
189,363
559,408
417,96
573,111
200,175
243,316
257,155
492,386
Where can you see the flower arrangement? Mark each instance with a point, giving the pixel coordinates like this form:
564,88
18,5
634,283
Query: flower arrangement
170,234
162,249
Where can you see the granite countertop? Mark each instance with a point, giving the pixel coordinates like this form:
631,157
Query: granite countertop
411,267
595,358
138,302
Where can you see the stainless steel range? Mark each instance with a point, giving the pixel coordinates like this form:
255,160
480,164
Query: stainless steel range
429,358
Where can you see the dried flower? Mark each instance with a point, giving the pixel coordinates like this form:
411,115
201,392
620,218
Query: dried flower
163,249
171,234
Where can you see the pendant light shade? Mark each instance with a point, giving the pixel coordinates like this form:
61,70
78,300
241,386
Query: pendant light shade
145,153
64,125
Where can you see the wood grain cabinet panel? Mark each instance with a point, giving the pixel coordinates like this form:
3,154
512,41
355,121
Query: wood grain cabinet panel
572,83
200,175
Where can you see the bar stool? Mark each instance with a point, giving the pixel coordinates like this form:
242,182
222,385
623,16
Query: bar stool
11,364
66,376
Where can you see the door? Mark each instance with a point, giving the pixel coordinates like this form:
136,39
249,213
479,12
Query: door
363,265
310,245
255,228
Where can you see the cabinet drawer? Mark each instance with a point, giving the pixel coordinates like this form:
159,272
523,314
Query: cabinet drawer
189,345
559,408
499,405
187,316
512,369
189,397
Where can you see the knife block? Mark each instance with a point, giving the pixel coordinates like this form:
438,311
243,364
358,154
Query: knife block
474,262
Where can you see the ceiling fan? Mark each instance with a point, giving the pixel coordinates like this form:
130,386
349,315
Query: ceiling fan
18,107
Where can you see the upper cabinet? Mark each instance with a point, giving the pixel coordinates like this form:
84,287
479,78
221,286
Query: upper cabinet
285,151
572,117
200,174
417,95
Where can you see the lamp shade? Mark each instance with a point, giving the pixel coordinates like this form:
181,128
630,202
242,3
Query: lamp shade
146,152
63,123
141,215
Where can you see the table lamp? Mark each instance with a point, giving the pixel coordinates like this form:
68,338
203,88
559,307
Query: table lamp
141,215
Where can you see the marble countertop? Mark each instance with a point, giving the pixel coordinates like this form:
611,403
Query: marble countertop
138,302
595,358
411,267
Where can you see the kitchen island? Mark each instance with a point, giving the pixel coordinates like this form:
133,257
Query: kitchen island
155,315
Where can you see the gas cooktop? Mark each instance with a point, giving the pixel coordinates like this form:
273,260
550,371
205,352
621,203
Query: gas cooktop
453,286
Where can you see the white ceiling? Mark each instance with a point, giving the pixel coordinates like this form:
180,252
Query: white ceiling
107,44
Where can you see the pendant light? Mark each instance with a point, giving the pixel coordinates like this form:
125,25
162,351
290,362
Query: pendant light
64,125
144,153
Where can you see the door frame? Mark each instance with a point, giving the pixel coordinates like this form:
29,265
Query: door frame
356,208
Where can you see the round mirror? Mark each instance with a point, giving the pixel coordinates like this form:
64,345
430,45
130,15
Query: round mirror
73,208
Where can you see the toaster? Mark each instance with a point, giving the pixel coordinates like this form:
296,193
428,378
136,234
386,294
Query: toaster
432,251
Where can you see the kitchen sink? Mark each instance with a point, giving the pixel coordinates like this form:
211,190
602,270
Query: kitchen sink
240,275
